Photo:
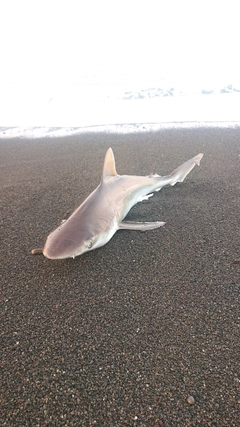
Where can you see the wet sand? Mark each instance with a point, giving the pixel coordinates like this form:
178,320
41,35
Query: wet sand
122,335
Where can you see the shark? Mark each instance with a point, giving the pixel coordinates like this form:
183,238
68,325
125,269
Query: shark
102,214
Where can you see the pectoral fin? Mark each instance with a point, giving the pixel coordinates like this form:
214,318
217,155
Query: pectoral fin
141,226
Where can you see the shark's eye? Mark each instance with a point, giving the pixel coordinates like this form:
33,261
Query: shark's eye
90,243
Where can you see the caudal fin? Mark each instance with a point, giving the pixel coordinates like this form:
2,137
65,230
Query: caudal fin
179,174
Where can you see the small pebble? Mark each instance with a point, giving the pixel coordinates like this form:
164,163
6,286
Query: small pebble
190,400
36,251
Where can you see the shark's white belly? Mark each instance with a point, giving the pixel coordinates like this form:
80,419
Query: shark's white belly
104,237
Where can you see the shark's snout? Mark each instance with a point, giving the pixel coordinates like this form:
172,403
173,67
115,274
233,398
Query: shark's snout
59,248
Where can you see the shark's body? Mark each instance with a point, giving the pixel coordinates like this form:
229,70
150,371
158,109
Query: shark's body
98,218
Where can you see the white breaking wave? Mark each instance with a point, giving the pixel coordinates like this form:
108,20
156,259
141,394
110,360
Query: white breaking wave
26,112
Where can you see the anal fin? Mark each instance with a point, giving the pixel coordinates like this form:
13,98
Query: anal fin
141,198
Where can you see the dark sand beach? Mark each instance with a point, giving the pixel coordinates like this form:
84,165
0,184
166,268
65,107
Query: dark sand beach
123,335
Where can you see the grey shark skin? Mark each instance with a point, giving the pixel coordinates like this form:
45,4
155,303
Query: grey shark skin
98,218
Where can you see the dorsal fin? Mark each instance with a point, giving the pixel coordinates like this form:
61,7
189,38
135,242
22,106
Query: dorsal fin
109,165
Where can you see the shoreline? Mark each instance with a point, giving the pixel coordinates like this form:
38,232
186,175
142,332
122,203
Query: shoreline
34,132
